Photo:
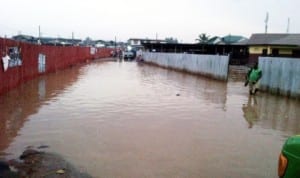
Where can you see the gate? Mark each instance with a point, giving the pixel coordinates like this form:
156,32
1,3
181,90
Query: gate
42,63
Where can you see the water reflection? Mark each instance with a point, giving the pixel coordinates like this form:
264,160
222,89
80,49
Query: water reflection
213,91
121,119
251,110
273,112
19,104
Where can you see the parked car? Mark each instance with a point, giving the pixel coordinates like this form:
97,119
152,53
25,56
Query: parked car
129,55
289,158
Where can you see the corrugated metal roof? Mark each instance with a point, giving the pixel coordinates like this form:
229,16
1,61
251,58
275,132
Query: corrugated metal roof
289,39
274,39
242,42
230,39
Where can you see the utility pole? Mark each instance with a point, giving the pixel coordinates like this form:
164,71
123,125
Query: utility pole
266,22
115,45
39,31
39,39
72,38
288,26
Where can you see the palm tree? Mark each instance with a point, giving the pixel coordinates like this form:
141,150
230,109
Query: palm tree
202,38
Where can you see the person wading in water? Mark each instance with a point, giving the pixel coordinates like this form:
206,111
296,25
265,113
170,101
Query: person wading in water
252,78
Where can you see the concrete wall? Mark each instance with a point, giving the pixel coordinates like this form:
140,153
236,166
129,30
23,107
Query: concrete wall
214,66
282,50
280,76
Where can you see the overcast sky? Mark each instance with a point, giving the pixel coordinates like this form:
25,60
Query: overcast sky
181,19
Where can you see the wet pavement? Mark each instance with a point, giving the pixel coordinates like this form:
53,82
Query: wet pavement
124,119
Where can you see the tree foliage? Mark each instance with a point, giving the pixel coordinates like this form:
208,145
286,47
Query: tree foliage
202,38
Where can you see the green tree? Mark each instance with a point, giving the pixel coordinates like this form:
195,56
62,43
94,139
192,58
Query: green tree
202,38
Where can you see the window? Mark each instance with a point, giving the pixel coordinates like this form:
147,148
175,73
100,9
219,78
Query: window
275,52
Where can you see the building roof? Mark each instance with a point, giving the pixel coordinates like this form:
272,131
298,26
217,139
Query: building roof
242,42
214,40
289,39
24,38
28,37
274,39
146,40
230,39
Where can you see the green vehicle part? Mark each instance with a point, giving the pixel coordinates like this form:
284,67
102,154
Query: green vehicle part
289,159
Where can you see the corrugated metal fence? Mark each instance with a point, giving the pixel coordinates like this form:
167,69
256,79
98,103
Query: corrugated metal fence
280,76
214,66
57,57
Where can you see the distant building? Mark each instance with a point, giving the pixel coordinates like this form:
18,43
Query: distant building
276,45
25,38
228,40
138,42
234,39
238,53
214,40
47,40
59,41
100,43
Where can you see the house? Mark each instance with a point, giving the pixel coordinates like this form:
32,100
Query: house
138,42
238,52
47,40
25,38
234,39
58,41
276,45
214,40
228,40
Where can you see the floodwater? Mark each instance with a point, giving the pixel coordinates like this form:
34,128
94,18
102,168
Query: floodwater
123,119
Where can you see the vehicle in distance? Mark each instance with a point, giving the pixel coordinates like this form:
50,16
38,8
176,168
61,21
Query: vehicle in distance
128,55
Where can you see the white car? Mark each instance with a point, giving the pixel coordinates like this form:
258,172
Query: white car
128,55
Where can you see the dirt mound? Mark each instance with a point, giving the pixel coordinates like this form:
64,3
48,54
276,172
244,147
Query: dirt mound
37,164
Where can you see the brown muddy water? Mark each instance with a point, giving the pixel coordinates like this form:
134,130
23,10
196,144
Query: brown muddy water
123,119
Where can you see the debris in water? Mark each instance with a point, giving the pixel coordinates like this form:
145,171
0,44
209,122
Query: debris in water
60,171
43,146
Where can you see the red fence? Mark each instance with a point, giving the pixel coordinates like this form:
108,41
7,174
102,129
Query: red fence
57,57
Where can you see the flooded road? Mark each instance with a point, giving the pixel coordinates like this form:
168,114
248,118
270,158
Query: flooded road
130,120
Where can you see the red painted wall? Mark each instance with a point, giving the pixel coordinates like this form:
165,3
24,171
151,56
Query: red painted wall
57,58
